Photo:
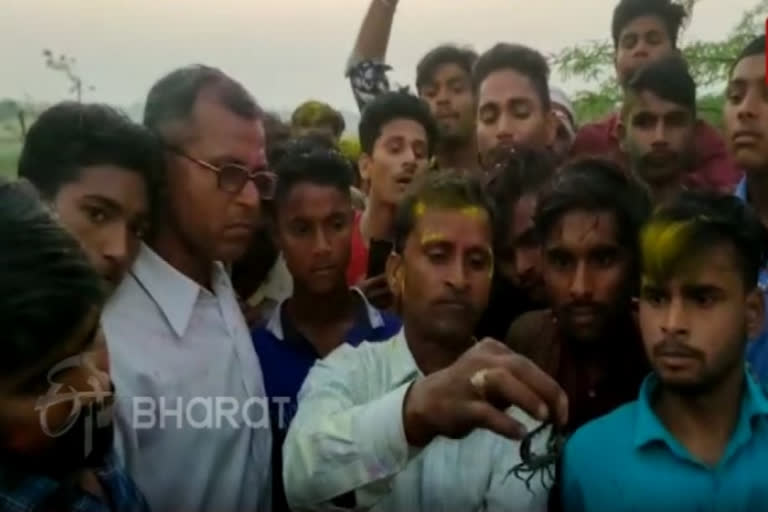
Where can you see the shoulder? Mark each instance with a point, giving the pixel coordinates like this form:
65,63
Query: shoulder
610,432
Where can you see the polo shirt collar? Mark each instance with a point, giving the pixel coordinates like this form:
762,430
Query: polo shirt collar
276,328
174,293
649,428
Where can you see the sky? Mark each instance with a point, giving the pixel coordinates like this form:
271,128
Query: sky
283,51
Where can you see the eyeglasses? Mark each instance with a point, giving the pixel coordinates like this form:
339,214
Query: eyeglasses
233,177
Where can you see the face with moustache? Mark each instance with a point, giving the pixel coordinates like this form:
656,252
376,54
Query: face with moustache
658,135
695,324
511,114
442,279
452,103
586,272
56,419
399,156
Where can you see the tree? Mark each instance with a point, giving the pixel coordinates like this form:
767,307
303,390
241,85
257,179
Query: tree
592,62
67,65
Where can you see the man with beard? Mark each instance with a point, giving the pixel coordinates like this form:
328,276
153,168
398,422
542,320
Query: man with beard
696,438
386,425
98,171
517,284
588,222
658,125
514,109
643,31
443,81
746,126
175,330
55,391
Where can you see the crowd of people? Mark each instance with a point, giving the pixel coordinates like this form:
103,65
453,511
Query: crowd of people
479,306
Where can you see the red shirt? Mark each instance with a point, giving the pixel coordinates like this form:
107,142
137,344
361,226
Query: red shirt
712,169
358,258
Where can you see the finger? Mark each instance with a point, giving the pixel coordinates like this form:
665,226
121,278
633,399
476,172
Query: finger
484,415
491,345
503,389
541,384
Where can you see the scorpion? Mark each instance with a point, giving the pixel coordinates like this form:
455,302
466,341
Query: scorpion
541,464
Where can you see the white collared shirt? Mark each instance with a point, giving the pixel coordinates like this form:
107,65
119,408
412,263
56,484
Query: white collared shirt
184,370
348,435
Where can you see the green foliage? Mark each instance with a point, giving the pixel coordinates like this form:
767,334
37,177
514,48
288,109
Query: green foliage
592,62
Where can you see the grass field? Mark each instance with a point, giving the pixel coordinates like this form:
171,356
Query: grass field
9,154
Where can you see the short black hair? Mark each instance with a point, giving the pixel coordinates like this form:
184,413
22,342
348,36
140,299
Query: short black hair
444,54
669,79
526,61
392,106
47,286
306,161
672,15
525,171
595,184
173,97
446,188
755,47
697,220
70,136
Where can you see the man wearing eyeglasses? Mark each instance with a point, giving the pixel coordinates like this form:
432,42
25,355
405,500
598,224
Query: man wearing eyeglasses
192,420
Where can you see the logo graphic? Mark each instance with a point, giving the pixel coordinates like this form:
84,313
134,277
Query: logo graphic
55,396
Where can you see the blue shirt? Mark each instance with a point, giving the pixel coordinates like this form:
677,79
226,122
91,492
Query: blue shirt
628,461
28,493
286,356
757,349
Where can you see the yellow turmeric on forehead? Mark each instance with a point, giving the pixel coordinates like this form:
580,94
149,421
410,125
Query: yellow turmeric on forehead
664,245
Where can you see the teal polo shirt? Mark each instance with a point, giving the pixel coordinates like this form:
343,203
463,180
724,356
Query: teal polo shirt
628,461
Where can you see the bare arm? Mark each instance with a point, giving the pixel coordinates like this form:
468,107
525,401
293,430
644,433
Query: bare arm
366,69
373,38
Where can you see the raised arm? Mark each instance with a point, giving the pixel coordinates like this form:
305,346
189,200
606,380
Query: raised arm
366,69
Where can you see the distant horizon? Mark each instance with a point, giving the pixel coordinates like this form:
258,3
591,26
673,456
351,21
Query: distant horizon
122,48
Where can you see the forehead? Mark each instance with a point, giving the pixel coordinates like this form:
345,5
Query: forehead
508,84
125,187
109,180
313,200
644,24
403,128
718,265
447,72
584,229
464,227
220,132
750,69
648,102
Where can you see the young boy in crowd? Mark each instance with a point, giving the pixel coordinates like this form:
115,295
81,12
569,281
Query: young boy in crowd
98,171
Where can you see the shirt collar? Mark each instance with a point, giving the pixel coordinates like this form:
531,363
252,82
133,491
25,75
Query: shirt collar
275,323
403,366
174,293
649,428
